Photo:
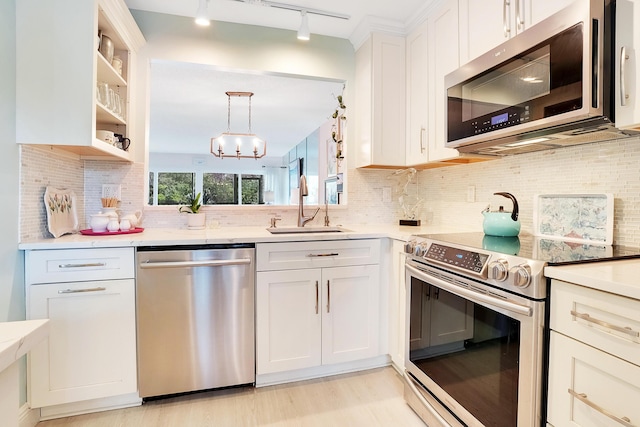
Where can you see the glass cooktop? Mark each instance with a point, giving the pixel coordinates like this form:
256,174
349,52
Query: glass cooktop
551,251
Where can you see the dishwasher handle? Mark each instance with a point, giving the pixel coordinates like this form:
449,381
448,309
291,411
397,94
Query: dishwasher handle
198,263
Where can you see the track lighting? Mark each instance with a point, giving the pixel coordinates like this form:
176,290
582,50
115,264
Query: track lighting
202,15
303,32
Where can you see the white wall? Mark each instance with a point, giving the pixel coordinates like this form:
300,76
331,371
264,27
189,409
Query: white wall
11,260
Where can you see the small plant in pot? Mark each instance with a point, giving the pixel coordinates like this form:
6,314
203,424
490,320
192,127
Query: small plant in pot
195,219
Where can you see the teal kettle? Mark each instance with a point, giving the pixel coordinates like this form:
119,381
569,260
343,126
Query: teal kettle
501,223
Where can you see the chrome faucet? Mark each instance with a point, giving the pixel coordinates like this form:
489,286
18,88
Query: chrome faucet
303,191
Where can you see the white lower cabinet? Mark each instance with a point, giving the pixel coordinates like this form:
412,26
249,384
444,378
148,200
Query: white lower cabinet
313,317
91,350
594,363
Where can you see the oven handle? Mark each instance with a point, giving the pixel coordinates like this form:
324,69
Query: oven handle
424,401
471,295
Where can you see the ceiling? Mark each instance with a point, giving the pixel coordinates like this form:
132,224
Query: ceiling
188,101
398,14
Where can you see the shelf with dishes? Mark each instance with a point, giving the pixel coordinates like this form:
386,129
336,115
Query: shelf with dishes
82,67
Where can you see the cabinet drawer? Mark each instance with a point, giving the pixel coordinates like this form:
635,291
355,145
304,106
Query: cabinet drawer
296,255
72,265
586,384
603,320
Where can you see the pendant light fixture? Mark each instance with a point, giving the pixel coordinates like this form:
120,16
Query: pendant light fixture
202,14
303,32
239,141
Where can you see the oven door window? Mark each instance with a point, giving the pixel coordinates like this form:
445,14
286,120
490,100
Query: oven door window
468,350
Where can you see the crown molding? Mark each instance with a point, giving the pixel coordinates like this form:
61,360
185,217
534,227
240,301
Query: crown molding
372,24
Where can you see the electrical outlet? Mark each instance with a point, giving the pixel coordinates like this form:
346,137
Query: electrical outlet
386,194
112,190
471,193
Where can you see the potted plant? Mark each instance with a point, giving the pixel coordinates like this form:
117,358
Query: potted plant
195,219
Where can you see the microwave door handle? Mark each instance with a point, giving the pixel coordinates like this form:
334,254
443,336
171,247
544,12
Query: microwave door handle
624,57
596,42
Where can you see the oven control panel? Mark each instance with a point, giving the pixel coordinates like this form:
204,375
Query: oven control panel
459,258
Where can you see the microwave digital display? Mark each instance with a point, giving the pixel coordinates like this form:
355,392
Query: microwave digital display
500,118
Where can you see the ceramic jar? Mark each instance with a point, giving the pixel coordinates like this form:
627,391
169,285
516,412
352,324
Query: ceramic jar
99,222
113,225
125,225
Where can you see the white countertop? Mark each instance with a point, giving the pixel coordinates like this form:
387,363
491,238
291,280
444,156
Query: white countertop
620,277
17,338
172,236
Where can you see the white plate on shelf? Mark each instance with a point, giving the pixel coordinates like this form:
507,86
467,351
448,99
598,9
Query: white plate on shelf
62,214
579,218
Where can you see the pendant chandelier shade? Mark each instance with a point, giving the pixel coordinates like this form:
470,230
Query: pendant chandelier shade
241,142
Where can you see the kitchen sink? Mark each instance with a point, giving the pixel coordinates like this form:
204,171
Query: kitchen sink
305,230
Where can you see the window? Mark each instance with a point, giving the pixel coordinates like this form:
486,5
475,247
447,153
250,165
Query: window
151,187
252,193
219,189
175,188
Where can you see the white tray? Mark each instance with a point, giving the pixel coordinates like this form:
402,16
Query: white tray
580,218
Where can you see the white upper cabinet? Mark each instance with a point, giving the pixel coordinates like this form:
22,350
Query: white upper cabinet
626,60
417,96
442,48
380,100
58,70
484,24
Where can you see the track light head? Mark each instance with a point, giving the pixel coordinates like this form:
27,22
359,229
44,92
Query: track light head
303,32
202,15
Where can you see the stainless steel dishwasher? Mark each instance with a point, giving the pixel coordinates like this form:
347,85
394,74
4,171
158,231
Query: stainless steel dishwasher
195,318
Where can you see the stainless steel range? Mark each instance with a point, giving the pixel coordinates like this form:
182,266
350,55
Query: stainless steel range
475,351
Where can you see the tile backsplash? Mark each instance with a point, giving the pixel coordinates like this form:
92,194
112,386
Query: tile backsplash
610,167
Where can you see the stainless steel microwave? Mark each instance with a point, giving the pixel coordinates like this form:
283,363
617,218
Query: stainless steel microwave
550,86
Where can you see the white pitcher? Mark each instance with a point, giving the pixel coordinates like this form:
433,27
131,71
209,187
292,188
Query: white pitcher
135,218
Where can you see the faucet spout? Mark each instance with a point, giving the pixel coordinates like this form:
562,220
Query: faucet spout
303,191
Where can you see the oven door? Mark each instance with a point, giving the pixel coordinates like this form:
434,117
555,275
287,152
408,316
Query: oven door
474,354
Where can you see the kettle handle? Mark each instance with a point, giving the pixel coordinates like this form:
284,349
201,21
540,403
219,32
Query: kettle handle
514,214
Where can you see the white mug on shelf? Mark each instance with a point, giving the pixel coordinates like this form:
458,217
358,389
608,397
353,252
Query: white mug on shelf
106,136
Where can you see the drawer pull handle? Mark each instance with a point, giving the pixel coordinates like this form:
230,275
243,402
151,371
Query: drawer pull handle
319,255
624,330
75,291
625,421
203,263
88,264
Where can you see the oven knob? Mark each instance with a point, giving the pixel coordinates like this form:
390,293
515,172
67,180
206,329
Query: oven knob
498,270
409,246
420,250
520,275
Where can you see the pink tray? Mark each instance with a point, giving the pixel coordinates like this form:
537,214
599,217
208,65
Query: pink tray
90,232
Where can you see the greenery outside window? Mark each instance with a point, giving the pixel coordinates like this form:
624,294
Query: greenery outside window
175,188
220,188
